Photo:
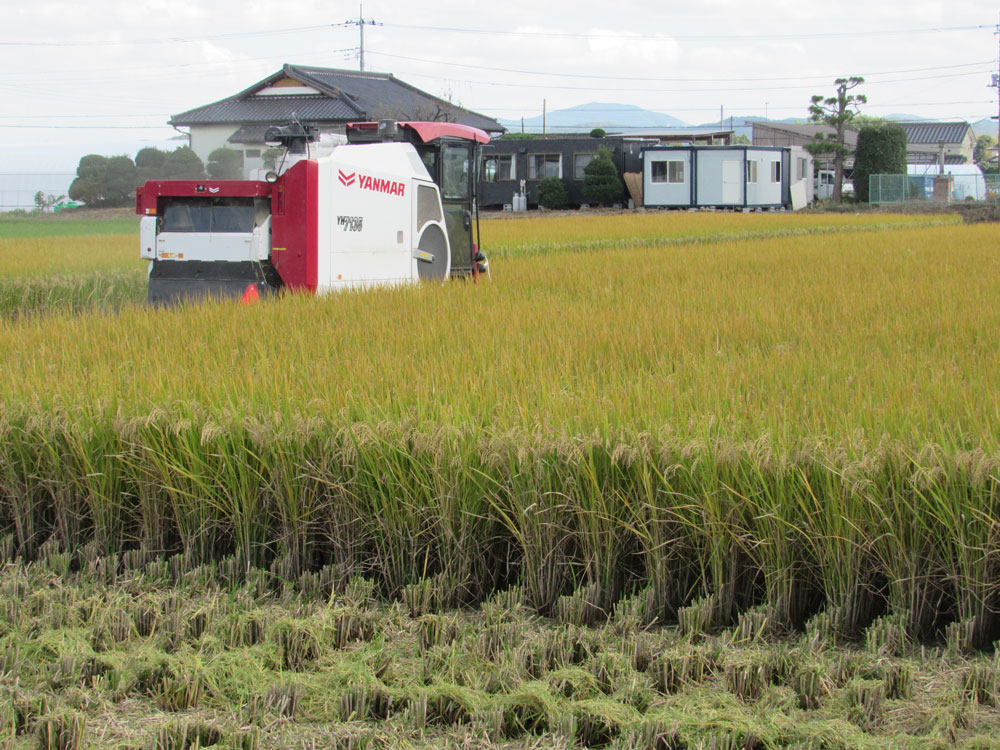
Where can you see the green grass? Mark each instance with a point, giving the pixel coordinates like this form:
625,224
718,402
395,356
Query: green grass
73,224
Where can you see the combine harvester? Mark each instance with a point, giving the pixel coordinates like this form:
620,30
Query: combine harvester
394,205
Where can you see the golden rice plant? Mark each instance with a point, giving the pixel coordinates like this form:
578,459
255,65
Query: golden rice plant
806,422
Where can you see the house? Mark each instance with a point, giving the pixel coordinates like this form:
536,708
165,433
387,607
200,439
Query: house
511,165
699,136
726,177
925,141
325,97
784,134
928,142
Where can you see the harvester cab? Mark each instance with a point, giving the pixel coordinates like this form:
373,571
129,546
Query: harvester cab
394,205
451,154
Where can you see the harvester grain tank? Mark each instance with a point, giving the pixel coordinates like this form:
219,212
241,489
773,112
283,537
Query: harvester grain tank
394,205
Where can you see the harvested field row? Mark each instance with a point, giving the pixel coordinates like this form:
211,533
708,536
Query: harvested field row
169,655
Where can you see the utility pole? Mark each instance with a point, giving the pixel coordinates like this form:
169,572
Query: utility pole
996,85
361,23
543,116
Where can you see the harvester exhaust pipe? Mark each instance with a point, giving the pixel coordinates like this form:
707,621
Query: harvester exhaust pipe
387,130
293,136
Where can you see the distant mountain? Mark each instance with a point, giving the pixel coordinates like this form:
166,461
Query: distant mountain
586,117
986,126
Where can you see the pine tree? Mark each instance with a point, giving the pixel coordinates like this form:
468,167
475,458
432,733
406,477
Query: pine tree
601,183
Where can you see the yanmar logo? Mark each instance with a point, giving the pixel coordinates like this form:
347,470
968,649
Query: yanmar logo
375,184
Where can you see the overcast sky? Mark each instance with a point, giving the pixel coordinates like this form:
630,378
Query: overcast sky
103,76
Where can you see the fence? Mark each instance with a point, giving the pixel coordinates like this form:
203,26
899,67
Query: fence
911,188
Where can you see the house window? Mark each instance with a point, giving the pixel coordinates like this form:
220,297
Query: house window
253,153
775,171
802,167
752,172
580,162
498,168
541,166
668,171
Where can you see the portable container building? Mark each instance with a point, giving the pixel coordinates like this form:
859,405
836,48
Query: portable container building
512,165
724,176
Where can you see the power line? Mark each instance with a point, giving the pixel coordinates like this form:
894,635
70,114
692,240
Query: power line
488,108
669,79
619,89
698,37
189,38
182,39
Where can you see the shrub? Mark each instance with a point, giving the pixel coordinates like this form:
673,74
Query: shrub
881,150
552,193
601,183
183,164
225,164
598,133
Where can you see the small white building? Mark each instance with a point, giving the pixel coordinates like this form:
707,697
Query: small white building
726,177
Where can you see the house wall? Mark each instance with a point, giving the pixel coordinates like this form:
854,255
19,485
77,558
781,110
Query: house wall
930,153
667,193
712,165
206,138
766,191
720,176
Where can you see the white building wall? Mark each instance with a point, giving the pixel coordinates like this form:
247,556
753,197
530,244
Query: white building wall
720,177
767,190
666,193
800,177
206,138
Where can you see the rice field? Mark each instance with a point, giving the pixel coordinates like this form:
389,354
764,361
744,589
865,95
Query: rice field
769,438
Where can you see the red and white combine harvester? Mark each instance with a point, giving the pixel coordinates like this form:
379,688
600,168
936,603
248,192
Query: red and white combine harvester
395,204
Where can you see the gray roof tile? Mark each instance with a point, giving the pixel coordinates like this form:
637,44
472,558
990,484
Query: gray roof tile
347,95
935,132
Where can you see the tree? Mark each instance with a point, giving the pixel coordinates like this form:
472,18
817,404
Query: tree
89,184
149,164
270,157
119,181
981,154
859,121
43,201
881,150
837,113
183,164
225,164
103,181
601,183
552,193
598,133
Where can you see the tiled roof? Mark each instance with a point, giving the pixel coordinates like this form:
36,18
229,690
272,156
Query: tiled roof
269,109
805,130
346,95
935,132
